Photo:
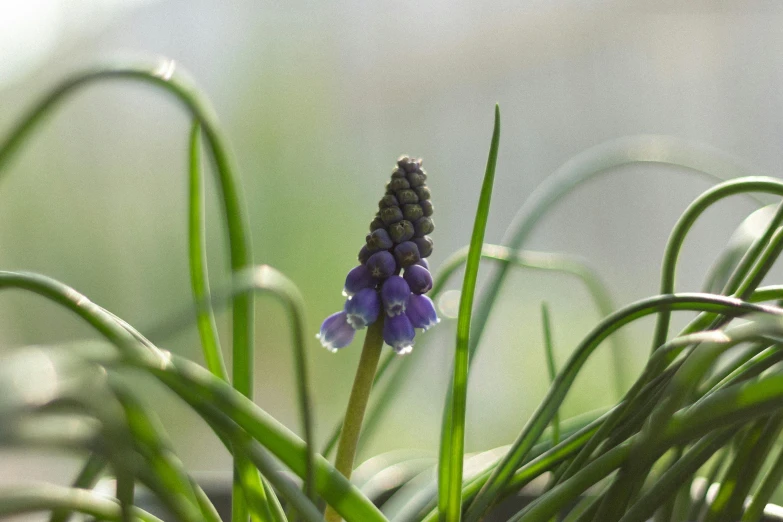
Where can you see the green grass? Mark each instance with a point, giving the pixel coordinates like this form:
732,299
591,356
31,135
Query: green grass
708,402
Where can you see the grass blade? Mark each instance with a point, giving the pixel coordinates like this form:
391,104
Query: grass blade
31,499
551,366
86,479
197,256
453,431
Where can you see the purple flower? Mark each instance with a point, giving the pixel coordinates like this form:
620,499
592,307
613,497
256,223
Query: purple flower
358,278
381,264
335,332
363,308
423,262
398,333
394,294
418,278
407,253
421,312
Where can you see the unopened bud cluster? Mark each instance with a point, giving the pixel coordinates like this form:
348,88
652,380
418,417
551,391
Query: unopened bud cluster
393,274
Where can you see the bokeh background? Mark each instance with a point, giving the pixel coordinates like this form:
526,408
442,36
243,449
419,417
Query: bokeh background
318,100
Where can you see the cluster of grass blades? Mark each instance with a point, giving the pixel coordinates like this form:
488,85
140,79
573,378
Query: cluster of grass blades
694,437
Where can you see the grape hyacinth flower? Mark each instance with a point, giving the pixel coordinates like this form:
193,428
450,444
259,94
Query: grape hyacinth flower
335,332
393,273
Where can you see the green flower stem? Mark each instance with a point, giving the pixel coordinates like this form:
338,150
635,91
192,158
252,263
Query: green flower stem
357,404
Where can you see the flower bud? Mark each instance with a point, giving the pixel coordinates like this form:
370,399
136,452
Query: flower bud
412,212
388,201
391,215
426,207
422,262
398,333
335,332
398,184
407,253
394,294
402,161
424,245
376,223
379,240
417,179
363,308
357,279
398,173
423,192
423,226
364,255
407,196
418,278
421,312
401,231
412,165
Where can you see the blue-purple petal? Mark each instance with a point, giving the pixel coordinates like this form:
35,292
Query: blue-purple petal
357,279
421,312
394,294
398,333
335,332
363,308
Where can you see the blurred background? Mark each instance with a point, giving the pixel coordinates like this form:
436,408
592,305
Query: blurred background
318,101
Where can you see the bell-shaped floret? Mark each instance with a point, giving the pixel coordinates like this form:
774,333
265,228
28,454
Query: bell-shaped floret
421,312
398,333
394,294
335,332
363,308
357,279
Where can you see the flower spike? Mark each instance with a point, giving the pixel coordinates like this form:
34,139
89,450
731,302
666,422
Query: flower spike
393,274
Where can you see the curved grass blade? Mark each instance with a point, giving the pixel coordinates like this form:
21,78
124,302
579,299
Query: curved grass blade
267,279
162,75
88,476
684,224
31,499
453,430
